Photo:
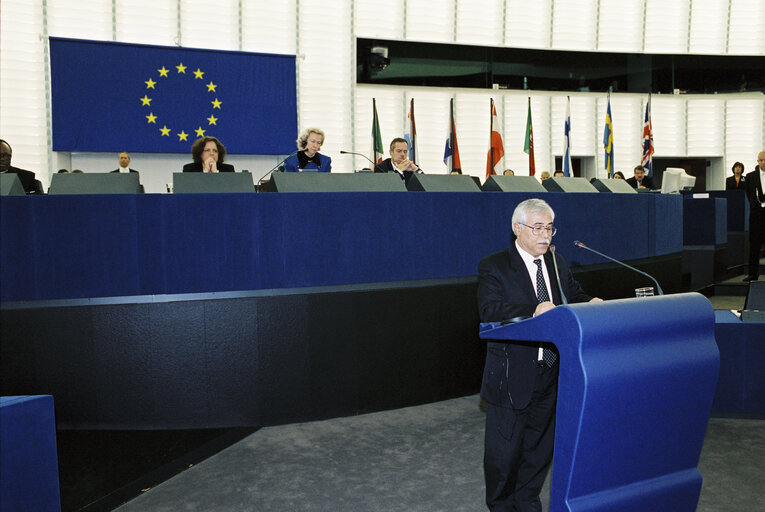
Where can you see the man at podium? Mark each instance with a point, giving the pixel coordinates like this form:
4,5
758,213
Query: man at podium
520,380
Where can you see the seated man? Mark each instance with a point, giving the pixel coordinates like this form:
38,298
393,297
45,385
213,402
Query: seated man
124,160
640,180
27,178
559,174
399,160
508,172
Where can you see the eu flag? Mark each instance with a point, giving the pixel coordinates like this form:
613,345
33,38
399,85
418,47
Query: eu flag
126,97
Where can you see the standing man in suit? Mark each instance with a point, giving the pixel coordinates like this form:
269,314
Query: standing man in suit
124,160
755,191
27,178
520,380
399,160
640,180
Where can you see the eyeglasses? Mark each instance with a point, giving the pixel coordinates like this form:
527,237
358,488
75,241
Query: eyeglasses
537,230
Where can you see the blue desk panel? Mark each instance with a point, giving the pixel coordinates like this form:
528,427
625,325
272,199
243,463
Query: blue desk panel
738,208
741,386
705,221
28,459
58,247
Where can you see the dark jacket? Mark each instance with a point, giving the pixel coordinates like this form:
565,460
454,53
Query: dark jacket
505,291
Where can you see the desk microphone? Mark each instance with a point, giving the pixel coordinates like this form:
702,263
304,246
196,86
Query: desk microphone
359,154
557,276
279,167
579,244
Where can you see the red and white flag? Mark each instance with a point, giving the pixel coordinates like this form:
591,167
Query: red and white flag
496,148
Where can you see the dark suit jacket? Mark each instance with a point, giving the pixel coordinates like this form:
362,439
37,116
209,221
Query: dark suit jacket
292,164
505,291
756,195
195,167
131,170
647,182
730,183
28,181
387,166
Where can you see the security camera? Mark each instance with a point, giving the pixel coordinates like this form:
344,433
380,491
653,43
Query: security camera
378,58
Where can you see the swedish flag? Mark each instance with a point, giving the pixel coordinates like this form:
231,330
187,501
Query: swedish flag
608,141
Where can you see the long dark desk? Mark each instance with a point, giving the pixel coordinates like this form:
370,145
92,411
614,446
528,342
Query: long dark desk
60,247
186,311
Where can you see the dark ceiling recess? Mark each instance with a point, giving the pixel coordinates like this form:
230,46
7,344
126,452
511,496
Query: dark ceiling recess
382,61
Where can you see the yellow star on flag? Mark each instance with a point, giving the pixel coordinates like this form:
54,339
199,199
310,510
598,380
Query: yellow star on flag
211,87
181,68
216,103
198,74
150,83
212,120
163,71
165,131
200,132
182,136
151,117
145,100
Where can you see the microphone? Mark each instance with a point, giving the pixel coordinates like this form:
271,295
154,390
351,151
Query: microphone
557,276
359,154
579,244
279,166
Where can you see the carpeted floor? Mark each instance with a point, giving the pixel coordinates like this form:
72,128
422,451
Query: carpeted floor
425,458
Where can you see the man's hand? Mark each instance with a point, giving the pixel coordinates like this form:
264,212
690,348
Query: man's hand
406,165
543,307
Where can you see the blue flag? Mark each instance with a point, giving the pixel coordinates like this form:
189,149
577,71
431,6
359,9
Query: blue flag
608,141
154,99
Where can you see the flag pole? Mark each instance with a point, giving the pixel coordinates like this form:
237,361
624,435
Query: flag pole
491,129
650,156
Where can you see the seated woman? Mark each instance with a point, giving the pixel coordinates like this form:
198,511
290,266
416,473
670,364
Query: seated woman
737,181
208,154
308,156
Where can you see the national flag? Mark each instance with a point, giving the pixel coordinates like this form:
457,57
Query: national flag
608,141
451,150
377,145
496,149
567,140
411,132
647,160
109,97
528,144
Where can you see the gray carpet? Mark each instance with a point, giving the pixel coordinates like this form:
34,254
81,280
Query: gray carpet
425,458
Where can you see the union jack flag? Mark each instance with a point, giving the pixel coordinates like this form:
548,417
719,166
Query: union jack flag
648,149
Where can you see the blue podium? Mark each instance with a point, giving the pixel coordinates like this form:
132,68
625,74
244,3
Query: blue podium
637,379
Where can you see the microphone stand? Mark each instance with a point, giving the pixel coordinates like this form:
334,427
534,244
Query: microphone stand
359,154
579,244
277,166
557,276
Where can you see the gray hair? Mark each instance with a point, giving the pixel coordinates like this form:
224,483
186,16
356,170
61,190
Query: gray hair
530,207
302,139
